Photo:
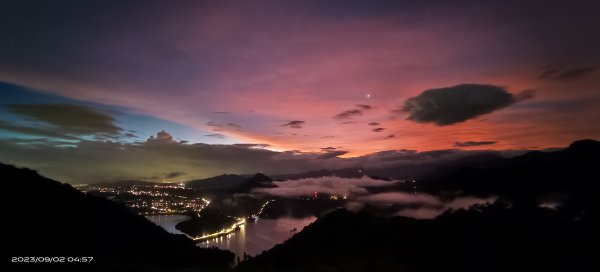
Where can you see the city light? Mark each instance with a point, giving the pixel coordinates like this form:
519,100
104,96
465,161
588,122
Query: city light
239,223
152,199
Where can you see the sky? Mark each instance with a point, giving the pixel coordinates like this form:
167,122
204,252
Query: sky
132,89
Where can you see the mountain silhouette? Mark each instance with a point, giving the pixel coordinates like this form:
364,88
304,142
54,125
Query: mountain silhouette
128,183
48,218
486,238
344,173
222,182
259,180
572,172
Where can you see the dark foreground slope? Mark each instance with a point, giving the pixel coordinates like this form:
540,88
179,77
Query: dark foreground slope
47,218
491,238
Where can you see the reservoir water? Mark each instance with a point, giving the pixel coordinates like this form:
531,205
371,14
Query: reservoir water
252,238
168,222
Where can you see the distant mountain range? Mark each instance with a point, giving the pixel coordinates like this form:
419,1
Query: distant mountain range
232,183
48,219
257,181
344,173
570,172
423,170
225,181
420,171
432,172
535,172
129,183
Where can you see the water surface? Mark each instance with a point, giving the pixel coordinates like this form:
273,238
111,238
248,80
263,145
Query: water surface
168,222
262,234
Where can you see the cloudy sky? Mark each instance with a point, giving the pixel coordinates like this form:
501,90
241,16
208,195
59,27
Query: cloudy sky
131,89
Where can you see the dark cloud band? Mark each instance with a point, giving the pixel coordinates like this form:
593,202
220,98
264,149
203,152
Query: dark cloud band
69,119
473,143
294,124
451,105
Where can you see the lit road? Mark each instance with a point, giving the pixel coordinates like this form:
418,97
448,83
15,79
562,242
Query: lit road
239,222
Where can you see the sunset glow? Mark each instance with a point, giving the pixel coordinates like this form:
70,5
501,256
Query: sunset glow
308,75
